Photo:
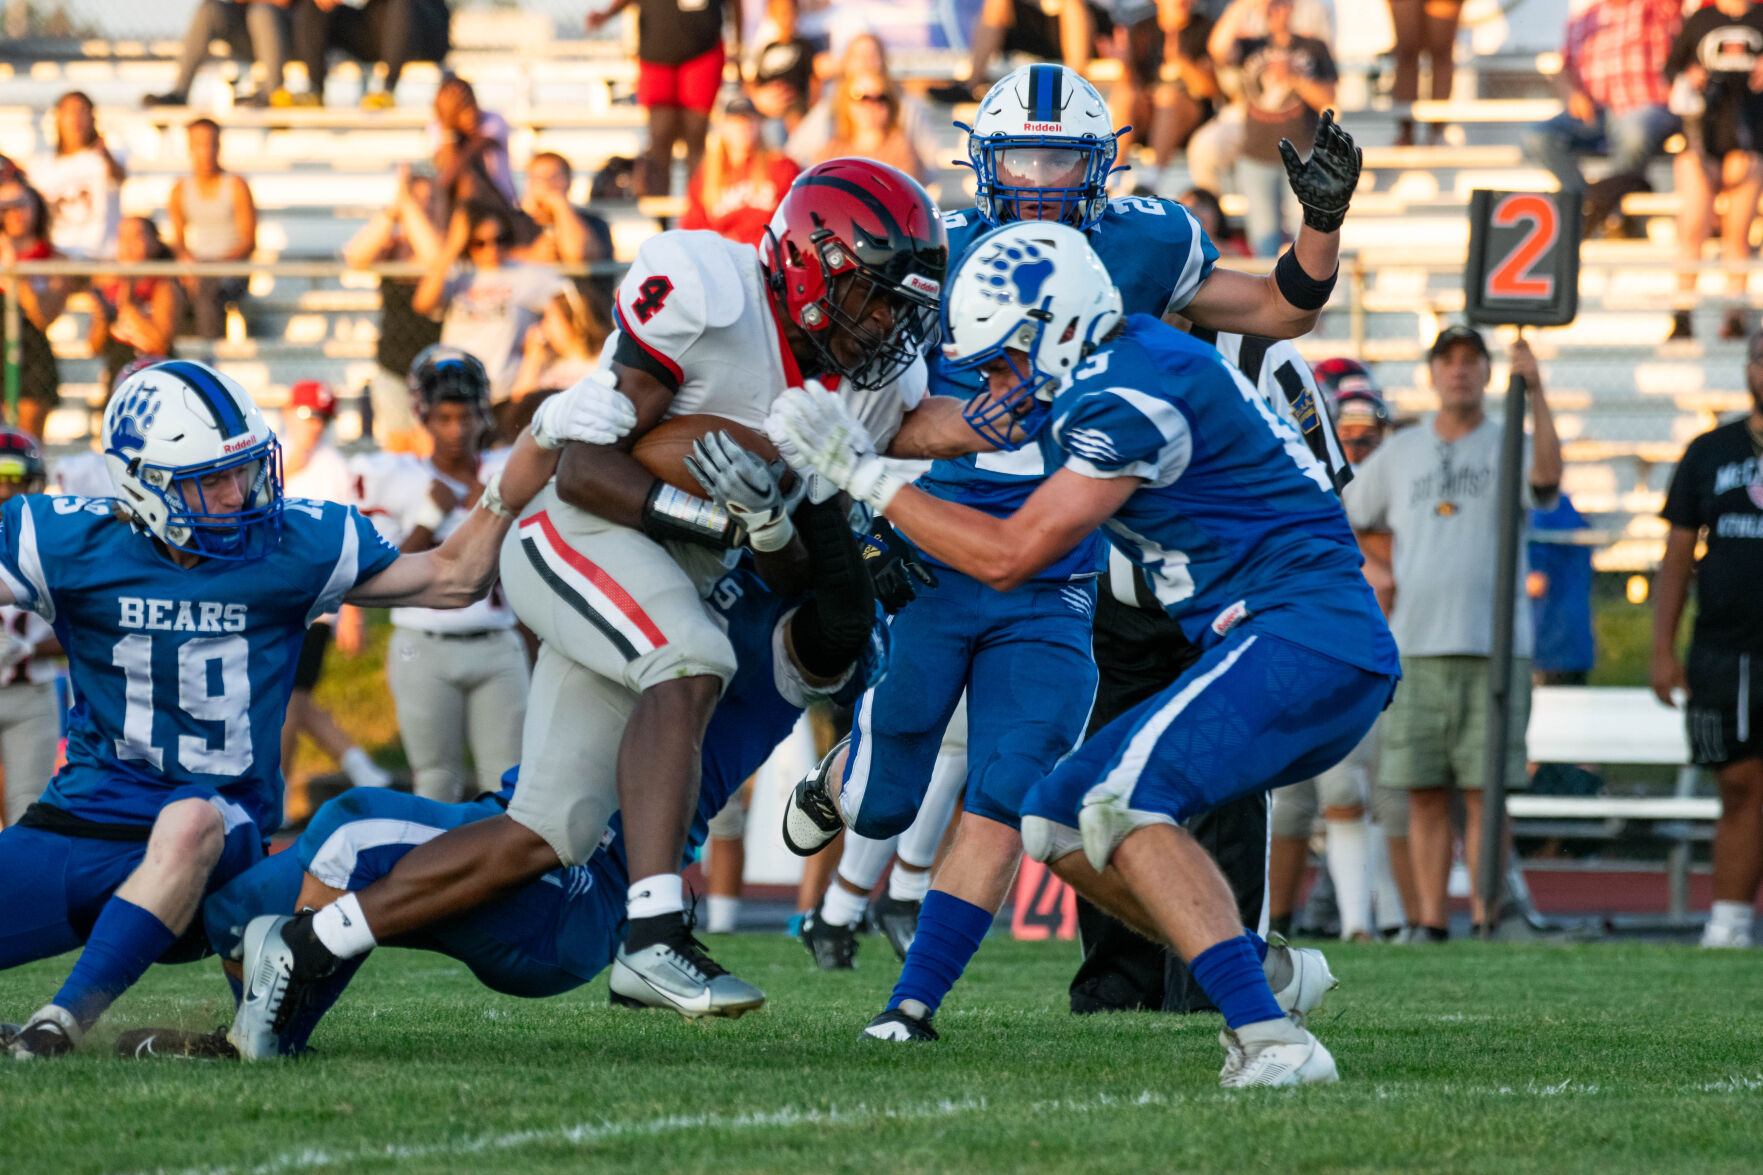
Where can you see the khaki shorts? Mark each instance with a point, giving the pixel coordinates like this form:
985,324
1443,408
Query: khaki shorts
616,615
1435,732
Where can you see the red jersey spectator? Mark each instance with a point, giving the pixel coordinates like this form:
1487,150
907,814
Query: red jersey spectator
742,179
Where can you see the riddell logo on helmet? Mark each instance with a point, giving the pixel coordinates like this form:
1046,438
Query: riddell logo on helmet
244,442
922,284
1042,126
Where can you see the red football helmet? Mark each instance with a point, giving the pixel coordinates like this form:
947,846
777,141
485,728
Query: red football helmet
852,235
21,461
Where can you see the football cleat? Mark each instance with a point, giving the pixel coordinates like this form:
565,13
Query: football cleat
1720,937
268,1000
51,1032
834,947
811,818
1310,981
142,1043
678,973
1302,1063
898,922
895,1024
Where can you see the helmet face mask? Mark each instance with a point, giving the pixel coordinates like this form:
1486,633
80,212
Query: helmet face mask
208,523
1042,148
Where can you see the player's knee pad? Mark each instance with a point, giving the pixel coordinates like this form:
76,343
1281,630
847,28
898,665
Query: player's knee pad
1294,809
731,822
1047,840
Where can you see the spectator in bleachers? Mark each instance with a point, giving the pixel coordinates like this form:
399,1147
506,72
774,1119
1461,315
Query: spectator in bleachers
1127,33
1210,213
1435,489
469,145
24,236
213,218
1560,590
560,349
1716,79
742,179
1287,81
1613,81
866,123
865,54
1716,495
1187,101
679,71
82,182
402,232
785,66
1048,29
256,31
566,234
488,303
1214,147
134,316
1429,28
388,32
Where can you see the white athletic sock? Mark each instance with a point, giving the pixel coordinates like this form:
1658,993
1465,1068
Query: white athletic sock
841,907
343,929
663,893
919,843
862,861
721,913
908,885
1352,881
1386,896
1731,915
362,771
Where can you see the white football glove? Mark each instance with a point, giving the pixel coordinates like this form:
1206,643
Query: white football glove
592,411
816,433
746,487
14,651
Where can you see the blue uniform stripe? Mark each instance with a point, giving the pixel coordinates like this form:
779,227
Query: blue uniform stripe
1042,80
227,416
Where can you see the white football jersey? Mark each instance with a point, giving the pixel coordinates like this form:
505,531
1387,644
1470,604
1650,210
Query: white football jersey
35,629
697,304
392,491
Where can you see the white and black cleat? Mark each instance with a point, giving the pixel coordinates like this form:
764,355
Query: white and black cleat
834,947
677,973
179,1044
269,977
51,1032
1304,1062
897,920
811,818
1309,982
898,1024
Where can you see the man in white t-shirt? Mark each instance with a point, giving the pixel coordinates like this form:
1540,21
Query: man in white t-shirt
81,182
1435,488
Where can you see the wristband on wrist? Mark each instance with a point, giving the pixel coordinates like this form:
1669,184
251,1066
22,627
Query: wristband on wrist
671,514
1298,287
491,498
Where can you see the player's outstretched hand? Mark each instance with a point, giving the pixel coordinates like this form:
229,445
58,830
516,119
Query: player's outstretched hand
816,433
1324,184
745,486
592,411
893,565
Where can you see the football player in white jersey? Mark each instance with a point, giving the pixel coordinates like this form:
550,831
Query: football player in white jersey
458,676
609,563
30,657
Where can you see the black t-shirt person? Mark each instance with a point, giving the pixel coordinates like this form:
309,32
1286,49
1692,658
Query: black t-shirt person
1728,47
673,32
1719,486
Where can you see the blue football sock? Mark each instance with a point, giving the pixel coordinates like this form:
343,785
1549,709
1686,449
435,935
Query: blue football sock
125,941
1259,943
318,1001
949,931
1231,976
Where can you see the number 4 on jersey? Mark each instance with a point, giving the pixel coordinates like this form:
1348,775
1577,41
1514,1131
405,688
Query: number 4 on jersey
652,297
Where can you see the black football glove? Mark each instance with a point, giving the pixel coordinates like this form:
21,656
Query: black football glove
893,565
1325,183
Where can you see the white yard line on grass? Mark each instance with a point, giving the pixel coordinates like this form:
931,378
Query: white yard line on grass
312,1158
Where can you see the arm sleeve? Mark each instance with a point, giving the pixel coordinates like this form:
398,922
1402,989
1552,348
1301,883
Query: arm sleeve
362,553
1123,432
1682,503
21,562
1683,49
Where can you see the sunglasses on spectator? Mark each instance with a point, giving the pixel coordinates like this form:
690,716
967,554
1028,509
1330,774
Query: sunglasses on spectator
879,97
499,241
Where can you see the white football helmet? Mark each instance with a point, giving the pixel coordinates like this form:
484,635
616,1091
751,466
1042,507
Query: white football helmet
1035,287
173,433
1042,146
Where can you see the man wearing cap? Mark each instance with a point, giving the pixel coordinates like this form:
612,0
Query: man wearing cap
314,468
1435,488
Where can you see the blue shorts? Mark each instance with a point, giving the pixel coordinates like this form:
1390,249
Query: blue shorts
1024,659
536,942
53,885
1255,712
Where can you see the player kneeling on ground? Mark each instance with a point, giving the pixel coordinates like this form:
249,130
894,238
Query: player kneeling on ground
1196,480
181,604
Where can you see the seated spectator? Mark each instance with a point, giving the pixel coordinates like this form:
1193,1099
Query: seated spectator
864,55
213,218
1047,29
135,316
1560,591
82,182
470,146
1426,27
559,351
742,179
1287,81
1214,147
1183,103
1711,66
568,235
866,123
402,232
1210,213
1127,33
488,303
1613,81
24,236
256,30
785,63
390,32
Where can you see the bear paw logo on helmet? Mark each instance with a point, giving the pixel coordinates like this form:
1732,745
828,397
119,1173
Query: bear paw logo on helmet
135,414
1017,274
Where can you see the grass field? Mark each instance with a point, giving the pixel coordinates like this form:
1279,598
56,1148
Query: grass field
1465,1057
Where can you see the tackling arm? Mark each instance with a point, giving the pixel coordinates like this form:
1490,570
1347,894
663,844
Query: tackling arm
936,431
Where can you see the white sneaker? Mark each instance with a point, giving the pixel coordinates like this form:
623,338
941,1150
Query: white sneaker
1718,936
1311,979
679,974
269,969
1305,1063
362,771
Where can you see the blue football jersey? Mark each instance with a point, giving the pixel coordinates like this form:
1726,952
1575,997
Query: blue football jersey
1158,255
1236,517
183,674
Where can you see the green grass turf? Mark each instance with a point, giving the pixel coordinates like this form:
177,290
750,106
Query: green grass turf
1460,1058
